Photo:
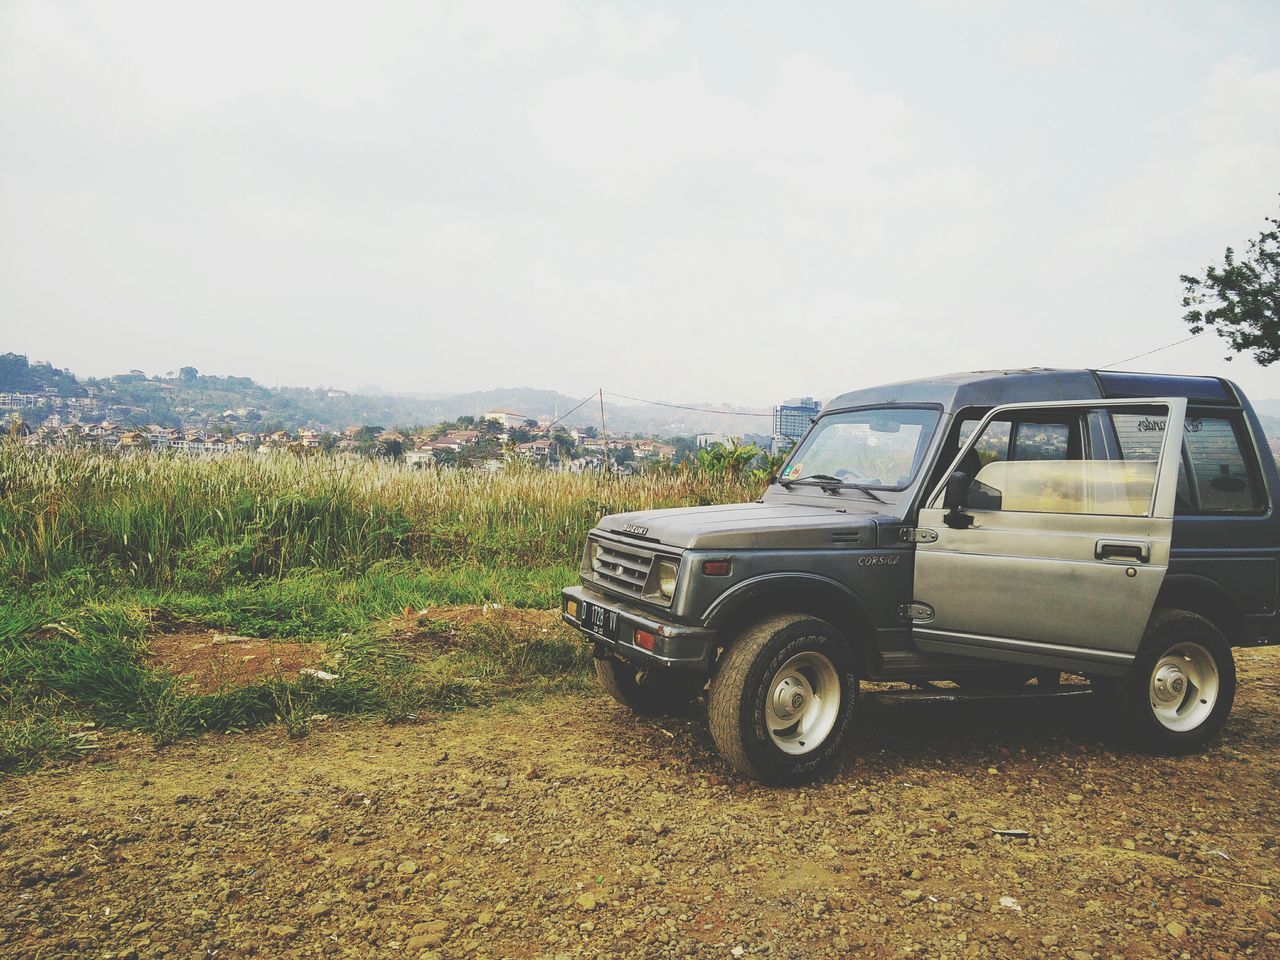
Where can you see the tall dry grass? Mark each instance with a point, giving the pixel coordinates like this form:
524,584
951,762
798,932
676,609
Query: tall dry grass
159,518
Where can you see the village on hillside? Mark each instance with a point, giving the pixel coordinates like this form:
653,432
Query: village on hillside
487,441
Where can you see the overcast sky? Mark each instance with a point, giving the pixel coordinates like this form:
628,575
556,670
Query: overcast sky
736,201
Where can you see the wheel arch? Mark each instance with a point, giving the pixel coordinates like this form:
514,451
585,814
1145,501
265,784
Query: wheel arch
804,593
1206,597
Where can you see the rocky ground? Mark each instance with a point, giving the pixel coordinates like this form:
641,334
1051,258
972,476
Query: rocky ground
569,828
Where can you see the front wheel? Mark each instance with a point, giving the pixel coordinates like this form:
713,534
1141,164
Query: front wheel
781,703
1180,689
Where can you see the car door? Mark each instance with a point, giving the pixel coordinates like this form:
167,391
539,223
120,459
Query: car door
1063,553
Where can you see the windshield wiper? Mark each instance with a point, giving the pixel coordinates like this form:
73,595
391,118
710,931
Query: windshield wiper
830,484
826,478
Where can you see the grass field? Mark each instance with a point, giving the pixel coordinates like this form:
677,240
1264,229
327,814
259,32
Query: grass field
100,553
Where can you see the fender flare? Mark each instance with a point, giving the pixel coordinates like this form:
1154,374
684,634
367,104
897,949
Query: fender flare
1205,596
831,593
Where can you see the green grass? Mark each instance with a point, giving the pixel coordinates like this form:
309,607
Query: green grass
99,552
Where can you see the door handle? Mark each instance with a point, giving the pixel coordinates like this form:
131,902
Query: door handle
1128,551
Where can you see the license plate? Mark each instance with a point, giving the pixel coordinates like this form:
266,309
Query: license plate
598,620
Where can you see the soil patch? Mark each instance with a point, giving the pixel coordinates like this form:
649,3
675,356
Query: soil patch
211,661
459,626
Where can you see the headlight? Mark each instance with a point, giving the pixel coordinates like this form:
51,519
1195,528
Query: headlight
667,570
589,558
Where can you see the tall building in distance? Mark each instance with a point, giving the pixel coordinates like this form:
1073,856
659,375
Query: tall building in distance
791,419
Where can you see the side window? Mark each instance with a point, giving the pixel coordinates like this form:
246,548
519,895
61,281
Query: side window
993,445
1215,476
1039,465
1224,481
1140,436
1041,441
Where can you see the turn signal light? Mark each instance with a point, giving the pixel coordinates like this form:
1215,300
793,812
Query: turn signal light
646,640
572,607
716,568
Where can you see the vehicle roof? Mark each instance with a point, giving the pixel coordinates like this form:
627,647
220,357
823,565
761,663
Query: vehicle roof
989,388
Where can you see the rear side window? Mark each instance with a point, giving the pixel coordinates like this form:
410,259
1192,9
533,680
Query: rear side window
1217,473
1225,480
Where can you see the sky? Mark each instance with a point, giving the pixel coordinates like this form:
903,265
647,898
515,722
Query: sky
737,202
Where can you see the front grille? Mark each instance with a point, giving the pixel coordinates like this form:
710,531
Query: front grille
621,569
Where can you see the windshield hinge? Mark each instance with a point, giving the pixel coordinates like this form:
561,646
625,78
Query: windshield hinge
918,535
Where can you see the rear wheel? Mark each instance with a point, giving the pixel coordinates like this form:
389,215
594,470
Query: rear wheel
1180,689
781,703
646,690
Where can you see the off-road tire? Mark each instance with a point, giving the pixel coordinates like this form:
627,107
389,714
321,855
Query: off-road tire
648,691
1129,698
736,705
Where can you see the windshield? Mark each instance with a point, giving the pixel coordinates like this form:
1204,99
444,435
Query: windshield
880,447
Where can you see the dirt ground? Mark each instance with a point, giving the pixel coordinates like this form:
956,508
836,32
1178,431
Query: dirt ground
210,661
571,829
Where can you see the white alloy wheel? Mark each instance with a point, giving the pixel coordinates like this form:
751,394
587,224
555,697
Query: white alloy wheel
803,703
1184,686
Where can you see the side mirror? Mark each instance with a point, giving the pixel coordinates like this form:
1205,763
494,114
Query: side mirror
955,498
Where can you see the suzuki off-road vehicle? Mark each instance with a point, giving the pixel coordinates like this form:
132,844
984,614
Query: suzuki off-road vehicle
989,529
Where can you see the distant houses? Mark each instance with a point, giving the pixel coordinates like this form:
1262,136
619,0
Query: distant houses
510,437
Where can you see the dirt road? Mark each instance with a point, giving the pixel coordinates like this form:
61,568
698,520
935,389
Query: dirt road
572,829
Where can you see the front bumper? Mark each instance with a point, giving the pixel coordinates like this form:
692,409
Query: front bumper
688,648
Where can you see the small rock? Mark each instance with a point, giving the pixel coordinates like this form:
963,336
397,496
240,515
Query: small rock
282,931
587,901
1175,929
913,896
1049,940
1075,799
407,867
1129,845
142,927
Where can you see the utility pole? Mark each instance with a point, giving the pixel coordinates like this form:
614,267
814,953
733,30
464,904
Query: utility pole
604,435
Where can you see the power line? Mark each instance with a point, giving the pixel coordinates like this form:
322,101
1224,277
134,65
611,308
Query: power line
1148,353
678,406
582,404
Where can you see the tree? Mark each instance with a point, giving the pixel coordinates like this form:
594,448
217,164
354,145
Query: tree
1241,298
562,444
731,460
188,374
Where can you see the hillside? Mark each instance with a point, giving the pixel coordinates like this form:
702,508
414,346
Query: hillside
194,399
191,398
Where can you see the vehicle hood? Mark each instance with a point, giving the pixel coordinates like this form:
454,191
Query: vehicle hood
747,526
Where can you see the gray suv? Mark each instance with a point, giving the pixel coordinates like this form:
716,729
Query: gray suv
991,529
